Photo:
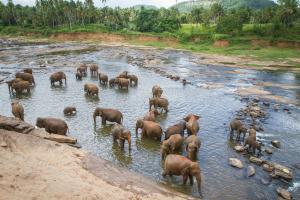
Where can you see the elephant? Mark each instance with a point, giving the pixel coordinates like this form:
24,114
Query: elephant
10,83
69,111
53,125
122,83
252,132
58,77
181,166
192,147
124,74
184,82
25,77
171,146
103,78
120,133
111,82
157,91
94,70
78,76
149,129
91,89
17,110
27,70
192,124
239,127
251,141
82,69
133,79
159,102
108,114
151,115
178,128
20,86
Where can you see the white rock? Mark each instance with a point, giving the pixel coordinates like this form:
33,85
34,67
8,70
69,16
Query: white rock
236,163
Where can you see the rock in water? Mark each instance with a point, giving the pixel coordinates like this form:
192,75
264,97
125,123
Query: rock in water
239,148
284,193
250,171
256,160
276,143
268,151
267,168
236,163
297,165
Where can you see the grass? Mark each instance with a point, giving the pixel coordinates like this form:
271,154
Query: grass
197,38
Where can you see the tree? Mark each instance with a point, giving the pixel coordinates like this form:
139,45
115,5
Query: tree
229,24
216,11
287,11
197,15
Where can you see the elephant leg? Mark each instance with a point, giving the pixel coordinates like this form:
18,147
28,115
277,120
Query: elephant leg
191,179
165,173
143,134
103,119
185,177
122,143
60,82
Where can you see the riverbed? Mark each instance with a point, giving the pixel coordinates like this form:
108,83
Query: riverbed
211,93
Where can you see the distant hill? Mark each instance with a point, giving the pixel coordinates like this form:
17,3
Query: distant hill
138,7
187,6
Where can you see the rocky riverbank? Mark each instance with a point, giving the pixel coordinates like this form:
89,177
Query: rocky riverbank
36,168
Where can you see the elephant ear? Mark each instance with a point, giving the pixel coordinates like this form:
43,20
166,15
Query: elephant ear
197,117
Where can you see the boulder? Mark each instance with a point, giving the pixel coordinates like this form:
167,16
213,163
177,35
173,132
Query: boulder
255,160
14,124
239,148
267,167
285,194
250,171
236,163
275,143
268,151
3,144
282,172
40,132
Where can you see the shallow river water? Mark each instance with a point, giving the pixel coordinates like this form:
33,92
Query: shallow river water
216,107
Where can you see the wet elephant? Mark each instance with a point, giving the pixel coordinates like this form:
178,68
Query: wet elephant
124,74
159,103
171,146
70,110
103,79
52,125
108,114
178,128
91,89
149,129
25,77
58,77
78,76
121,134
82,69
192,124
111,82
122,83
20,86
253,144
156,91
17,110
192,146
27,70
181,166
133,80
151,115
239,127
94,70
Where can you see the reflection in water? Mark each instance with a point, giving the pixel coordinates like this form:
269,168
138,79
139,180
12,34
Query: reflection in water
216,107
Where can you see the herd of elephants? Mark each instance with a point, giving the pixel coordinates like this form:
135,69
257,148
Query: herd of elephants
174,141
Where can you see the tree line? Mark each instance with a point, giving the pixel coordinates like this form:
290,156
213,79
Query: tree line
63,13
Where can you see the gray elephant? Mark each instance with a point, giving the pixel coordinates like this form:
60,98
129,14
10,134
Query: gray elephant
17,110
108,114
94,70
178,128
239,127
53,125
122,83
253,144
103,78
159,103
78,76
149,129
133,80
26,77
171,146
192,146
156,91
151,115
58,77
20,86
91,89
27,70
124,74
111,82
120,133
70,110
181,166
192,124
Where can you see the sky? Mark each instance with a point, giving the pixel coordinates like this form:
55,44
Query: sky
113,3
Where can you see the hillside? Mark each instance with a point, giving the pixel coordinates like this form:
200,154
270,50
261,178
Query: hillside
138,7
187,6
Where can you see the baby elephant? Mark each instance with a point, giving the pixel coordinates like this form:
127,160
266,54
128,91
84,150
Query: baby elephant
156,91
78,76
171,146
181,166
120,133
68,111
192,124
17,110
176,129
251,141
151,115
193,144
103,79
149,129
239,127
111,82
53,125
252,132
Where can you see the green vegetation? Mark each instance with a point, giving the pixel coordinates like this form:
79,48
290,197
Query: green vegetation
196,30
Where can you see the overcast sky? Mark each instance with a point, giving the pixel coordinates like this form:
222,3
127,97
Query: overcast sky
113,3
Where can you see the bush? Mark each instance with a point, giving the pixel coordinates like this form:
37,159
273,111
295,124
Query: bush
229,24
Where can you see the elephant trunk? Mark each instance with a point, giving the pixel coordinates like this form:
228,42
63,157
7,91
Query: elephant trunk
65,80
198,178
136,130
94,117
129,143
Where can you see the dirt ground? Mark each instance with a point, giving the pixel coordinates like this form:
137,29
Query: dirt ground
34,168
